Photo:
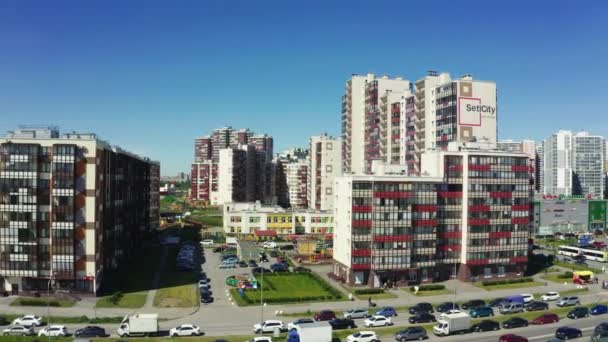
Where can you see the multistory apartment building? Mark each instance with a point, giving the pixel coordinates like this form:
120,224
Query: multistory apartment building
557,164
325,165
589,164
249,218
466,217
364,120
297,183
524,146
73,209
205,171
539,171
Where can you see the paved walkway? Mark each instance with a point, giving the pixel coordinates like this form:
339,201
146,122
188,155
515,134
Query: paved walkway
156,281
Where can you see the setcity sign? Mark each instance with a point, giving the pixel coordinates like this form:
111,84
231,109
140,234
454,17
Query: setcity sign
480,109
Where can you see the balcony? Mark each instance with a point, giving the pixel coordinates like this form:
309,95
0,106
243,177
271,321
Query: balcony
361,252
359,237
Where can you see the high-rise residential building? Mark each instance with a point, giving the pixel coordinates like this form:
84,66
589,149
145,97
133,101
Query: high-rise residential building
325,165
297,183
589,167
73,209
557,164
539,168
364,121
205,171
467,216
524,146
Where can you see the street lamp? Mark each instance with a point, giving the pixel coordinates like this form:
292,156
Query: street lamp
262,297
48,302
455,284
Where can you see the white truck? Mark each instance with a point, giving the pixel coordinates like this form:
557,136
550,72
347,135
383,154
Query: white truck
313,332
138,325
453,322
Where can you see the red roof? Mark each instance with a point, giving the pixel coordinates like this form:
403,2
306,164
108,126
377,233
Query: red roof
259,232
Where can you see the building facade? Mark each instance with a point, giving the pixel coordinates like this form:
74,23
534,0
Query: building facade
325,165
557,164
72,208
589,164
468,217
297,183
568,214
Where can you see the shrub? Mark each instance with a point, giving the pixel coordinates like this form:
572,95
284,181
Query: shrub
432,287
506,281
38,302
116,297
565,275
368,291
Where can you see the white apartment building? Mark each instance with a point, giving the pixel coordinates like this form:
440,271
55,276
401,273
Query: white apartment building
361,113
325,155
296,174
589,164
557,164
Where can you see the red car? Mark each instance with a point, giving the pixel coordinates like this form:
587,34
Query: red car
325,315
545,319
599,244
512,338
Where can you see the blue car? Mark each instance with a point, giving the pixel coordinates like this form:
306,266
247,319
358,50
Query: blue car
599,309
387,311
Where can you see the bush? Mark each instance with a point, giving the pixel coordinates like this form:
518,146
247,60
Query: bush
368,291
116,297
38,302
432,287
565,275
506,281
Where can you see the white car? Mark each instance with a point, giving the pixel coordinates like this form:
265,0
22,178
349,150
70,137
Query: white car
28,321
363,336
527,297
269,244
260,339
301,321
19,330
185,330
268,326
550,296
377,321
54,330
207,243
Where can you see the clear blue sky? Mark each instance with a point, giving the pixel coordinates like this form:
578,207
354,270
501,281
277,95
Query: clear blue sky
151,76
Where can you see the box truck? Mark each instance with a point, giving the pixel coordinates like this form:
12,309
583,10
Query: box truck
453,322
138,325
314,332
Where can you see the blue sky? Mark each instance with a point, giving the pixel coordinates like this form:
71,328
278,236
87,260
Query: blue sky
151,76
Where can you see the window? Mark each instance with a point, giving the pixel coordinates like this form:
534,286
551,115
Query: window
487,272
329,146
328,168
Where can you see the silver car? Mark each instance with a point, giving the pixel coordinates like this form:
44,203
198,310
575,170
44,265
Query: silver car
568,301
356,313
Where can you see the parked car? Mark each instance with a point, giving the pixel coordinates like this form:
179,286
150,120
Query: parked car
300,269
496,302
484,311
515,322
243,263
598,309
260,270
342,323
527,297
28,321
421,308
566,333
549,296
268,326
54,330
19,330
485,325
300,321
578,312
324,315
600,331
356,313
473,304
278,268
228,264
363,336
252,263
287,248
568,301
545,319
512,338
422,318
511,308
377,321
90,331
537,306
387,311
269,244
206,298
185,330
207,242
202,276
447,306
255,339
411,333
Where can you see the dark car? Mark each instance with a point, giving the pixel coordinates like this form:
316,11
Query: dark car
515,322
537,306
447,306
205,290
280,270
565,333
578,312
287,248
484,311
342,323
260,270
421,308
473,304
278,267
202,276
90,331
243,263
496,302
206,298
325,315
4,321
422,318
252,263
599,309
600,331
485,325
411,333
300,269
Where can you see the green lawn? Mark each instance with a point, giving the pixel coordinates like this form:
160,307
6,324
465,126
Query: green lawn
576,267
508,286
289,288
30,301
206,220
176,289
555,278
129,300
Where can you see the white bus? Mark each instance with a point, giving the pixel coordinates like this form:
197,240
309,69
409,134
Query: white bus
590,253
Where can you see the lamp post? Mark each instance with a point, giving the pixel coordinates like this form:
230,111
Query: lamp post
48,301
455,284
262,298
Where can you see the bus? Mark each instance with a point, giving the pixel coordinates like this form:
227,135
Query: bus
589,253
